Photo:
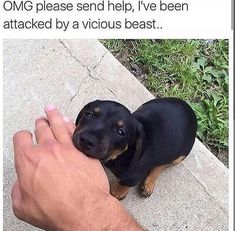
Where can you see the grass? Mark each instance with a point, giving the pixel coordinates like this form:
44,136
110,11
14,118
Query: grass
193,70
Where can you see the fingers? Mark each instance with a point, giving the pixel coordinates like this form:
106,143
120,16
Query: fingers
70,125
22,143
42,130
22,140
57,124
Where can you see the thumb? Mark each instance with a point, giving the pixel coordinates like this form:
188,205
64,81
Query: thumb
16,196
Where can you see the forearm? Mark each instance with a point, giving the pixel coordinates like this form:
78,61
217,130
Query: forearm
120,219
109,215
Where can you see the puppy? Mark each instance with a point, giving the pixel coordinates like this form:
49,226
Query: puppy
136,147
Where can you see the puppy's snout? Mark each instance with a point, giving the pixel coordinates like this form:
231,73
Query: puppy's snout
86,141
90,142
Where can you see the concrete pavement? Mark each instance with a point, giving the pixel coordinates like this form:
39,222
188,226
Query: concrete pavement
69,73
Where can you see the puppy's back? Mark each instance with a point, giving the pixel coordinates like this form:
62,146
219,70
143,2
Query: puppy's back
170,125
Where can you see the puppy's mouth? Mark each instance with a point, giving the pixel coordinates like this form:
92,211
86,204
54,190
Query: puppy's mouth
92,153
95,150
114,154
95,147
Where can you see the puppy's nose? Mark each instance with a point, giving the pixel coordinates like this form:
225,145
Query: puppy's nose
86,141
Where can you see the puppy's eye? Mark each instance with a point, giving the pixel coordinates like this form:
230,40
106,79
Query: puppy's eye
88,115
121,132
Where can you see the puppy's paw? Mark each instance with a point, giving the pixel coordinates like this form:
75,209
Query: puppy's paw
147,188
119,191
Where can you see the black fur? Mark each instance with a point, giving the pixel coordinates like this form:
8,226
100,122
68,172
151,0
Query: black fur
157,133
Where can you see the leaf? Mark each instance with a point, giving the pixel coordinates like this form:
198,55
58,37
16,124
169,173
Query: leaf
208,70
215,73
206,103
207,78
226,80
202,62
195,66
216,99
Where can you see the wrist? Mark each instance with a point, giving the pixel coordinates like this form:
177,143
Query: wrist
119,219
104,213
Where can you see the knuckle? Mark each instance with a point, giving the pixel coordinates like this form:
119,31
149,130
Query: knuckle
20,214
17,212
41,123
56,121
17,209
51,145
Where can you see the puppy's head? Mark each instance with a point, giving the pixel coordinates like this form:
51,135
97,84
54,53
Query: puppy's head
105,130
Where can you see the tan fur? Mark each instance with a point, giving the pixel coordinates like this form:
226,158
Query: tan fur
97,109
116,153
120,123
119,191
178,160
149,183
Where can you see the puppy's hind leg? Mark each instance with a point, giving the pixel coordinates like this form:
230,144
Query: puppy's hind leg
119,191
148,185
178,160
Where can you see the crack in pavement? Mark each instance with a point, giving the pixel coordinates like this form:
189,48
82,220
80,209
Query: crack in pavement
207,191
101,59
77,59
89,70
71,99
70,52
109,89
9,179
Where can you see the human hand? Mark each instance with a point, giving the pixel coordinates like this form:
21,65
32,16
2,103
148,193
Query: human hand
59,188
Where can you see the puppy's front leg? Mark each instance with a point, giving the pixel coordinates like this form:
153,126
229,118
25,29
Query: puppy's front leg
119,191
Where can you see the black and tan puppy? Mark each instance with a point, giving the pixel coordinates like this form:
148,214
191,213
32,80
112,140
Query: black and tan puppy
136,147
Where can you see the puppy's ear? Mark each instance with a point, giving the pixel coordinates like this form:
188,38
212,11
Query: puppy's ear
139,140
80,115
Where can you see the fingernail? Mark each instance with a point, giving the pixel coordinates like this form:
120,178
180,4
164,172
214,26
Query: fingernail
50,107
66,119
